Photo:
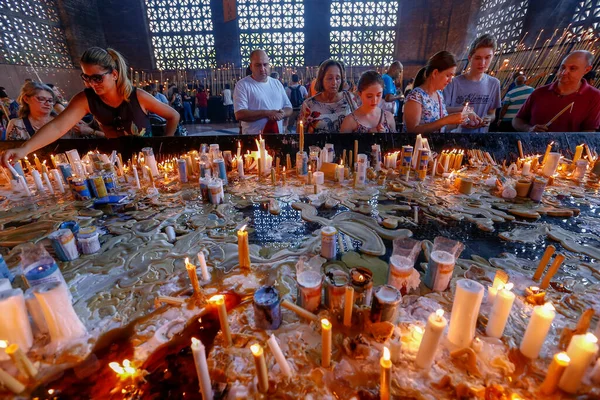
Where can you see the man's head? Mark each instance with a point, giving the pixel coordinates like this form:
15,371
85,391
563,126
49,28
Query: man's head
520,81
481,52
259,65
295,78
574,66
395,69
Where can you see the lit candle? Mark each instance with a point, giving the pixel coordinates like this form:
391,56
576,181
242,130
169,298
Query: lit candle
136,177
560,361
38,164
283,176
310,175
543,262
53,160
284,366
576,157
537,330
239,150
199,353
551,164
23,363
218,301
191,270
261,367
385,384
500,312
339,172
149,171
436,323
348,305
465,310
548,150
325,343
243,248
526,171
581,351
203,266
558,260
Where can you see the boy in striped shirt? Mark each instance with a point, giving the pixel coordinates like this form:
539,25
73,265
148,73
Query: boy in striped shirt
513,100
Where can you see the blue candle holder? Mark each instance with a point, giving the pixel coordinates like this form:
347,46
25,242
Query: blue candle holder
4,271
267,308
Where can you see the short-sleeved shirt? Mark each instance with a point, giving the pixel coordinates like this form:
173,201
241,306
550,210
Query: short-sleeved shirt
252,95
389,87
483,95
161,97
201,99
325,117
432,109
515,99
227,99
545,102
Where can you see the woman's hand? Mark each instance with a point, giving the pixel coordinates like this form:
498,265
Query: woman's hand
455,119
12,155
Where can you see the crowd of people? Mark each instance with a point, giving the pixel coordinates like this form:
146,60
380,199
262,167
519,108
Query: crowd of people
438,99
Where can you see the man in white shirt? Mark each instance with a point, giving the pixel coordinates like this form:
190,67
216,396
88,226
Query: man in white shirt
259,101
228,103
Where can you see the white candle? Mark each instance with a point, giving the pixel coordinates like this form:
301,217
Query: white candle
465,311
436,323
526,168
203,266
581,351
284,366
240,166
339,173
551,164
58,179
500,312
395,349
385,384
318,178
435,163
38,181
537,330
492,292
47,180
136,176
199,353
25,186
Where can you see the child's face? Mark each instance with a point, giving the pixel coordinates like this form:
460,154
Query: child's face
371,96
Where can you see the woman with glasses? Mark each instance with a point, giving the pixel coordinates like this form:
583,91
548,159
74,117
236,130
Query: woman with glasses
119,108
36,110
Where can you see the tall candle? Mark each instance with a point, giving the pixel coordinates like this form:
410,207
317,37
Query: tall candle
500,312
218,301
38,181
548,150
558,260
537,330
199,353
243,248
149,171
261,367
526,171
301,312
47,180
581,351
543,262
348,305
436,323
339,173
191,270
38,164
325,343
284,366
560,361
136,177
385,384
240,166
10,383
465,310
203,266
578,153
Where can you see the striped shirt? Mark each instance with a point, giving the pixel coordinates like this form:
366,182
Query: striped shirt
515,98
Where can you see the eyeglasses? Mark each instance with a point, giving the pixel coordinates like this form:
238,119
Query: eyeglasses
42,100
96,78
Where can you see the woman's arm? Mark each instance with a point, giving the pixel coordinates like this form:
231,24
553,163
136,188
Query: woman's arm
53,130
149,103
391,121
412,117
348,124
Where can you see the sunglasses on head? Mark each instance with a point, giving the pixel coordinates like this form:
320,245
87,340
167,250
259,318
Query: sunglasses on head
96,78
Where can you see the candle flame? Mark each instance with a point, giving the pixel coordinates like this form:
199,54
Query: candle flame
548,306
418,330
509,286
217,299
256,349
284,170
195,341
534,289
325,324
590,337
562,356
115,366
3,344
243,228
386,353
439,313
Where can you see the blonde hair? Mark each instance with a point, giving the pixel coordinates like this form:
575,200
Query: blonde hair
30,89
112,60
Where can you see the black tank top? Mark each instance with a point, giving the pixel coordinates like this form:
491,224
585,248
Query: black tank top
122,120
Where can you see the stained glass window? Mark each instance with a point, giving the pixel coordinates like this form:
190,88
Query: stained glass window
586,16
31,34
277,26
504,19
182,33
363,32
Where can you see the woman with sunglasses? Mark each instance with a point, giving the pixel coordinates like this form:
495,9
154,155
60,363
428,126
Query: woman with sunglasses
119,108
36,103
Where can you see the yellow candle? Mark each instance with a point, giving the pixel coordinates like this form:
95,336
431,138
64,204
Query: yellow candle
38,164
23,363
218,301
548,150
10,383
558,260
348,305
578,153
149,171
559,363
283,175
53,161
301,312
386,369
543,262
261,367
325,343
310,175
243,248
191,270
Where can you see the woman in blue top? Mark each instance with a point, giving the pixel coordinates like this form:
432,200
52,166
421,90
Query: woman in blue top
424,108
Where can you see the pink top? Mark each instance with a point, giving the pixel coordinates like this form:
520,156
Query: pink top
545,102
